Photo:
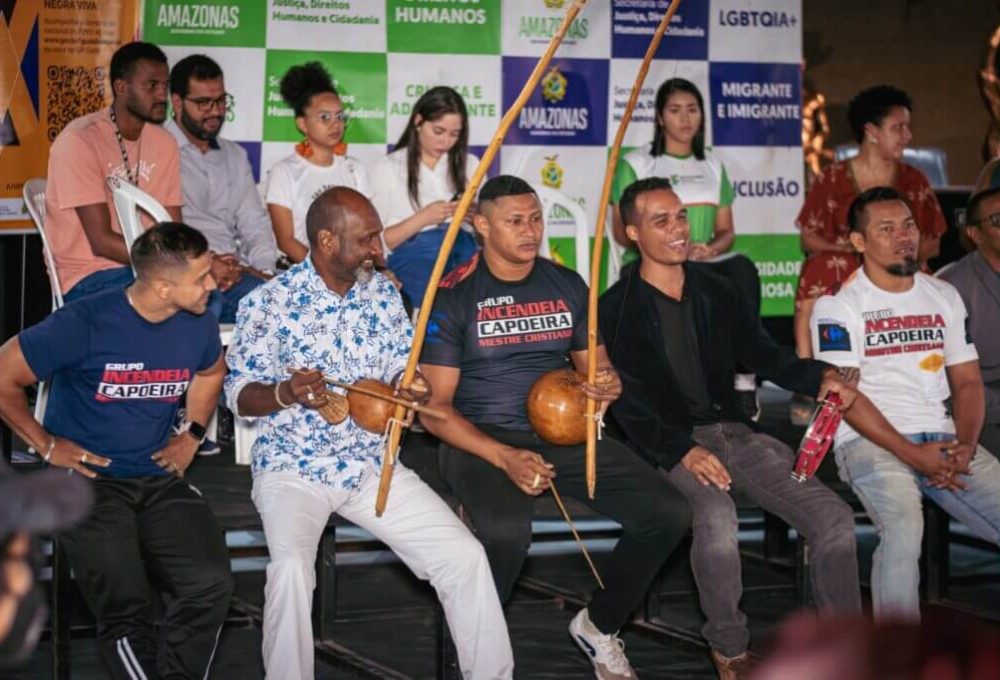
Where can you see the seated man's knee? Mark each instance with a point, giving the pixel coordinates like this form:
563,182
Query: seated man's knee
498,533
664,513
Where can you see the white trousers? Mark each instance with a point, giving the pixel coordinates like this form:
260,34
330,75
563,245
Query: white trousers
417,525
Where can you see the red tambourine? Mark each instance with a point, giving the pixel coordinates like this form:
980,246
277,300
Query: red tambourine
818,438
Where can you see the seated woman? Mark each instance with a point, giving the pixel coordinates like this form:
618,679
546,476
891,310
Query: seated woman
417,188
318,162
678,153
880,122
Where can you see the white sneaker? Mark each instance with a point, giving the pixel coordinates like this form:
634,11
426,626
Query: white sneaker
606,652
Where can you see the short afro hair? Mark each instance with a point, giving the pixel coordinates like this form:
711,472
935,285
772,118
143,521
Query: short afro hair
123,61
504,185
873,105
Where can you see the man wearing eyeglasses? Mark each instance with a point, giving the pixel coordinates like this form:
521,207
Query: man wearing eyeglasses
977,278
220,196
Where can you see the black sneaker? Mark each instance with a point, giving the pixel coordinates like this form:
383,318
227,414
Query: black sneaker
747,400
209,448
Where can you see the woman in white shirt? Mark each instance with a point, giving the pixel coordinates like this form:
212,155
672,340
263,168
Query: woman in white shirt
318,162
417,187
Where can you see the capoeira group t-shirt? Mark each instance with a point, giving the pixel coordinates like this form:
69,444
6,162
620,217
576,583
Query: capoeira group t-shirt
116,378
901,342
504,335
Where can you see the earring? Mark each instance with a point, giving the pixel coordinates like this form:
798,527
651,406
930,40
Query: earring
872,140
303,148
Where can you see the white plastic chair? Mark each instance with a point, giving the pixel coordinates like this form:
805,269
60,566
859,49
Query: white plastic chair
552,197
34,200
128,200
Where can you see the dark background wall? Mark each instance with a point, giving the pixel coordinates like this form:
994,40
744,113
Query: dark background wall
933,49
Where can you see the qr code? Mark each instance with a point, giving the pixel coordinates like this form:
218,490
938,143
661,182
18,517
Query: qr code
73,92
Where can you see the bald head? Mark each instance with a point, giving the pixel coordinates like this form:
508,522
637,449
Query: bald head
330,211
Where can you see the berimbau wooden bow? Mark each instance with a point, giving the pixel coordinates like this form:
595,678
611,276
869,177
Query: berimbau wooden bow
420,330
599,231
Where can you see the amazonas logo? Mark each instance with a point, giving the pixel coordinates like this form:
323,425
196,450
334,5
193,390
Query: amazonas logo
552,172
554,86
569,106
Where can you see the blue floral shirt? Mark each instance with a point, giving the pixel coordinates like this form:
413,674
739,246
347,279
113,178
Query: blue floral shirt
295,321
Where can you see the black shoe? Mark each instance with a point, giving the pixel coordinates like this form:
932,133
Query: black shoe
747,400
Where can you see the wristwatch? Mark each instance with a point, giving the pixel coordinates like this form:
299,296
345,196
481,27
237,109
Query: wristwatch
196,430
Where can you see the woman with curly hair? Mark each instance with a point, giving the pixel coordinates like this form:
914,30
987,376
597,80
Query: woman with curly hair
880,122
318,162
417,187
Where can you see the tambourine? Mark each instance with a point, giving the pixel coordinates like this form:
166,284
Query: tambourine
818,438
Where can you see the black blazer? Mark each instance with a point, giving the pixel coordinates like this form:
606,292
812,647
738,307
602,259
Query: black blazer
652,412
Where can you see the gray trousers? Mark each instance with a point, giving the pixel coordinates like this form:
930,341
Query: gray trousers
760,467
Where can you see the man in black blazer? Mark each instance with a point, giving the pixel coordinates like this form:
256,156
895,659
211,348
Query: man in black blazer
674,330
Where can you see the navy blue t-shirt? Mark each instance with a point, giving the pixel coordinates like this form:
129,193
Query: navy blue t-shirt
503,335
116,378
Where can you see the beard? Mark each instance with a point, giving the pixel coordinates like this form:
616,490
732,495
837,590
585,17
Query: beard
155,114
198,129
364,273
908,267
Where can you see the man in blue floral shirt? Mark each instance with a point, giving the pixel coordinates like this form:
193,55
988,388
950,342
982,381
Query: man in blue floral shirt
333,314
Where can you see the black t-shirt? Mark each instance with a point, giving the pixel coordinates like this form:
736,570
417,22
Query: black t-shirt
503,335
681,342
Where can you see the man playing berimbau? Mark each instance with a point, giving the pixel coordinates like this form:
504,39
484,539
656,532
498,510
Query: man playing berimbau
481,364
333,315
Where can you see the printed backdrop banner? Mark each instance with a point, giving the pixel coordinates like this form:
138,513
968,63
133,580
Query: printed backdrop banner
53,68
744,57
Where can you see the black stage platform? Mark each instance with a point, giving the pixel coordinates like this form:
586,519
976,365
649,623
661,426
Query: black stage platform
386,622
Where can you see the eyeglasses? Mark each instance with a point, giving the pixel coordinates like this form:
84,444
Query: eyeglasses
993,220
327,117
206,104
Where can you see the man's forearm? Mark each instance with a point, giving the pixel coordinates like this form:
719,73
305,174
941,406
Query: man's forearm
458,432
969,403
15,412
202,397
869,422
257,399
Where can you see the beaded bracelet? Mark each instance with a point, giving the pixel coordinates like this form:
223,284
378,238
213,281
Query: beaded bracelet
277,395
47,456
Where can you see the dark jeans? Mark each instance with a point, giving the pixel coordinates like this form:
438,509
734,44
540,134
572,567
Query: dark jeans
223,303
760,467
653,514
144,532
98,282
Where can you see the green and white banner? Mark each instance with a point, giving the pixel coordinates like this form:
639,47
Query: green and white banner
384,53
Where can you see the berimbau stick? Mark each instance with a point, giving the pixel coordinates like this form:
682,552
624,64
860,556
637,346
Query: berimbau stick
420,330
595,260
579,541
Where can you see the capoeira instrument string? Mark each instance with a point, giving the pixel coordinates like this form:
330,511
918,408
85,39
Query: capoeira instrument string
562,509
395,431
592,416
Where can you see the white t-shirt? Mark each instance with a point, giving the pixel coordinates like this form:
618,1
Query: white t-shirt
902,343
392,196
294,183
